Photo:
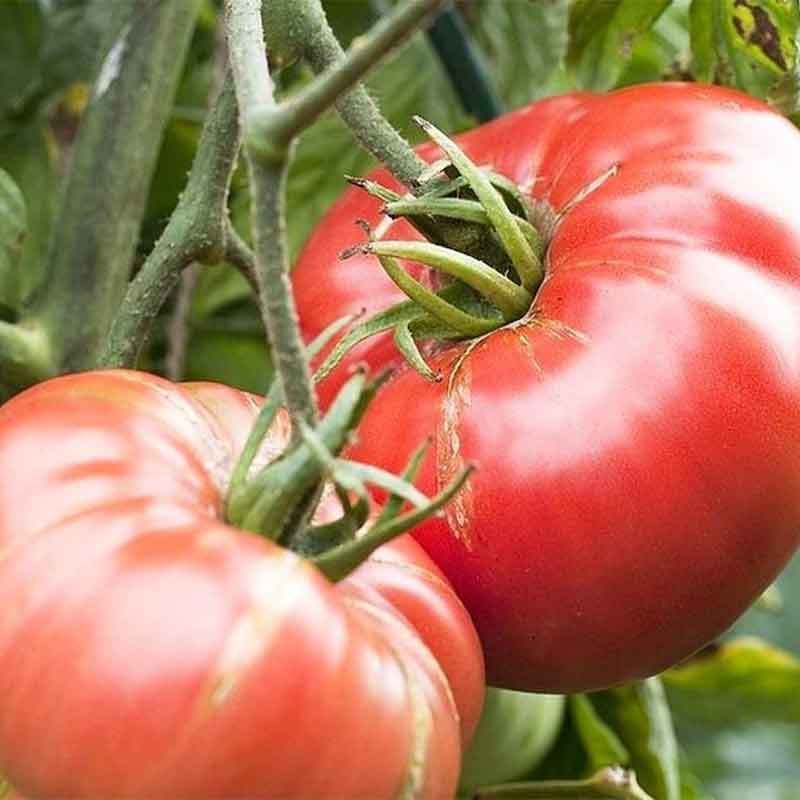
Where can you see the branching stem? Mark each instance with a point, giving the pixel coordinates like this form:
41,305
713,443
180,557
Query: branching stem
269,131
196,231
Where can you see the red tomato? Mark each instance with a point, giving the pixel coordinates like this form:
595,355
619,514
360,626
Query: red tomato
637,434
147,650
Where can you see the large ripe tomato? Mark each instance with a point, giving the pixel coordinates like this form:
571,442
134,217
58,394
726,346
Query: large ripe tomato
147,650
637,434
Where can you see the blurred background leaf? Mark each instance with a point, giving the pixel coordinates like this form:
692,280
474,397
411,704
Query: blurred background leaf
603,35
740,681
749,44
13,227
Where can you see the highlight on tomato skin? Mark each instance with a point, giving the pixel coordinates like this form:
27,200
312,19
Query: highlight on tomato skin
150,650
636,432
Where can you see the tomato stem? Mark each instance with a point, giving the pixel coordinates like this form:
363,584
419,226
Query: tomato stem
338,562
197,231
611,783
358,110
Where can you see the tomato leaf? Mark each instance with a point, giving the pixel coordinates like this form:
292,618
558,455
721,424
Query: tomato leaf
742,43
230,350
13,227
524,45
602,37
640,716
603,747
20,41
26,153
663,53
744,680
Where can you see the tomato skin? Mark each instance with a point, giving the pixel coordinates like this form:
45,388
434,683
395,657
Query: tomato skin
637,435
147,650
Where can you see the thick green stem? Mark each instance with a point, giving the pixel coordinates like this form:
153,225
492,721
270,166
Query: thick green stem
269,132
274,129
268,187
94,241
358,110
254,90
197,231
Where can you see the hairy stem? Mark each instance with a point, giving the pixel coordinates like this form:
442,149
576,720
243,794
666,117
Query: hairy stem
94,239
315,38
254,90
269,132
275,129
196,231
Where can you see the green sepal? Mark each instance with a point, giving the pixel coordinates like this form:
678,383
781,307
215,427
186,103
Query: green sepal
279,487
313,540
352,476
375,189
512,300
236,496
519,250
405,312
456,208
339,562
439,308
407,345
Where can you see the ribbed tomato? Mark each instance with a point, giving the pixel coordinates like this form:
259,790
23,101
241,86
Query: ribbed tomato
148,650
637,433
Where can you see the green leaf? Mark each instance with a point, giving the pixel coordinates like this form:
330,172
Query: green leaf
27,155
663,53
21,27
741,681
758,760
603,35
218,287
236,359
640,716
691,788
603,746
524,45
747,44
13,226
72,36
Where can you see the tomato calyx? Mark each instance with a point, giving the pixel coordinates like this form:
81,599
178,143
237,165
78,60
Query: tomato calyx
486,284
278,499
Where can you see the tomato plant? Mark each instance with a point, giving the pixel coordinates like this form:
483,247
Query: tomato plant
149,650
637,431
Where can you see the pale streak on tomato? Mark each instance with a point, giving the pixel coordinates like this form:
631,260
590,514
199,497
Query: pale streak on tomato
147,650
638,452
